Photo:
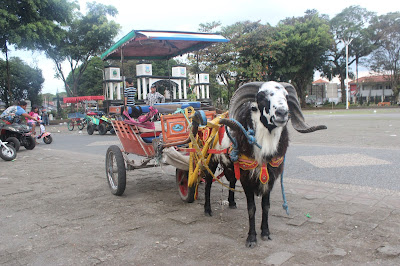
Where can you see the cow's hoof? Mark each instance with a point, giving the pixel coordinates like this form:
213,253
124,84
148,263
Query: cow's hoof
208,212
251,242
265,238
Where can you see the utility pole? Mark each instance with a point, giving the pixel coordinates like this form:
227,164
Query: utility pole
347,43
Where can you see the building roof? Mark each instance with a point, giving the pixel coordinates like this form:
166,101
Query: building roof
372,79
320,81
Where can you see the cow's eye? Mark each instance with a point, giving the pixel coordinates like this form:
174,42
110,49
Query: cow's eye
272,94
253,108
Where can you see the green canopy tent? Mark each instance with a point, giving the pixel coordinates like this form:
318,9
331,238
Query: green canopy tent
159,45
151,45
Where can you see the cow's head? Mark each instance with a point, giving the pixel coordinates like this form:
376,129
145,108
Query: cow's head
272,105
272,102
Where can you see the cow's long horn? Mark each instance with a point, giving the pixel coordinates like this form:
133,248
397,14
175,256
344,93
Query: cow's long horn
298,121
245,93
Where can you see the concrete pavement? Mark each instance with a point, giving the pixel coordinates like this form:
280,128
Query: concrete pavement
56,209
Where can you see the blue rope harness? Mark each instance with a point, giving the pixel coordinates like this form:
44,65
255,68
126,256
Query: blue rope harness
284,205
234,154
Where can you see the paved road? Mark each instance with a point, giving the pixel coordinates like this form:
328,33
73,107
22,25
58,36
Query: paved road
56,208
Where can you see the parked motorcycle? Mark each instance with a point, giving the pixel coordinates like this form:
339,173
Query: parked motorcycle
17,135
7,152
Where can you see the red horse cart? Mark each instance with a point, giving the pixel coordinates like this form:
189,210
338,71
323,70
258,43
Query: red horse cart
176,139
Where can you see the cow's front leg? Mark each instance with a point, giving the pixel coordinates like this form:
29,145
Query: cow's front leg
251,241
265,204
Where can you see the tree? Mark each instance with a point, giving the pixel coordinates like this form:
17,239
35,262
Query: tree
91,82
31,25
85,37
245,58
305,41
350,24
25,83
386,59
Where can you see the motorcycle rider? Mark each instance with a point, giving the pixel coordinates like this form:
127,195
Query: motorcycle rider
14,113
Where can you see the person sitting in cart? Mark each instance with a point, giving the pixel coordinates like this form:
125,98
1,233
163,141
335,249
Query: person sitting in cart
129,96
129,92
13,114
154,96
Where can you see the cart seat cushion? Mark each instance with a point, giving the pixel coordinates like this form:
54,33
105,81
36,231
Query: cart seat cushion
150,134
157,127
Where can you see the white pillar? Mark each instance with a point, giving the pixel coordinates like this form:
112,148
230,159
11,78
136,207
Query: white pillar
174,92
198,91
139,92
118,91
144,88
106,92
110,91
202,92
208,91
180,89
184,90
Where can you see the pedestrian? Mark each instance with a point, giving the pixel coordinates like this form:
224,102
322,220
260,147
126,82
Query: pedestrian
154,96
45,116
13,114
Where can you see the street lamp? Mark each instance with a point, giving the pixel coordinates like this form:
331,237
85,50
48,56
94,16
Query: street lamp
347,43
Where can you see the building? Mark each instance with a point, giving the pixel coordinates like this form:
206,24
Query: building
372,89
322,91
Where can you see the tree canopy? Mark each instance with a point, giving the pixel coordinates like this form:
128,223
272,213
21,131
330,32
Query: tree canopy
85,37
305,41
386,58
31,25
289,52
91,81
26,82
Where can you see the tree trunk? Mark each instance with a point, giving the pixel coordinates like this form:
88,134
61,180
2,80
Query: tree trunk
8,89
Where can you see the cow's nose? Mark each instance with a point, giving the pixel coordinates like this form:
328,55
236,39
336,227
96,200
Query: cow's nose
281,112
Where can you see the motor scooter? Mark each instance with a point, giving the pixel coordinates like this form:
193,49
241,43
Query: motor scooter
46,136
7,152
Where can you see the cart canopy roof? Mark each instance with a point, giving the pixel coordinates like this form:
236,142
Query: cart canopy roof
149,44
83,98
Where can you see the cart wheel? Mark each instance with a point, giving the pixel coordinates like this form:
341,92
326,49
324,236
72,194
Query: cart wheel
29,143
81,125
115,170
13,141
8,153
187,193
90,129
48,139
102,129
70,125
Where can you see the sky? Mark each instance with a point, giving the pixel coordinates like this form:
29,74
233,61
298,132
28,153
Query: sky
187,15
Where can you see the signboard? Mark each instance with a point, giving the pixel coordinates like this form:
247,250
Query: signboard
331,90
